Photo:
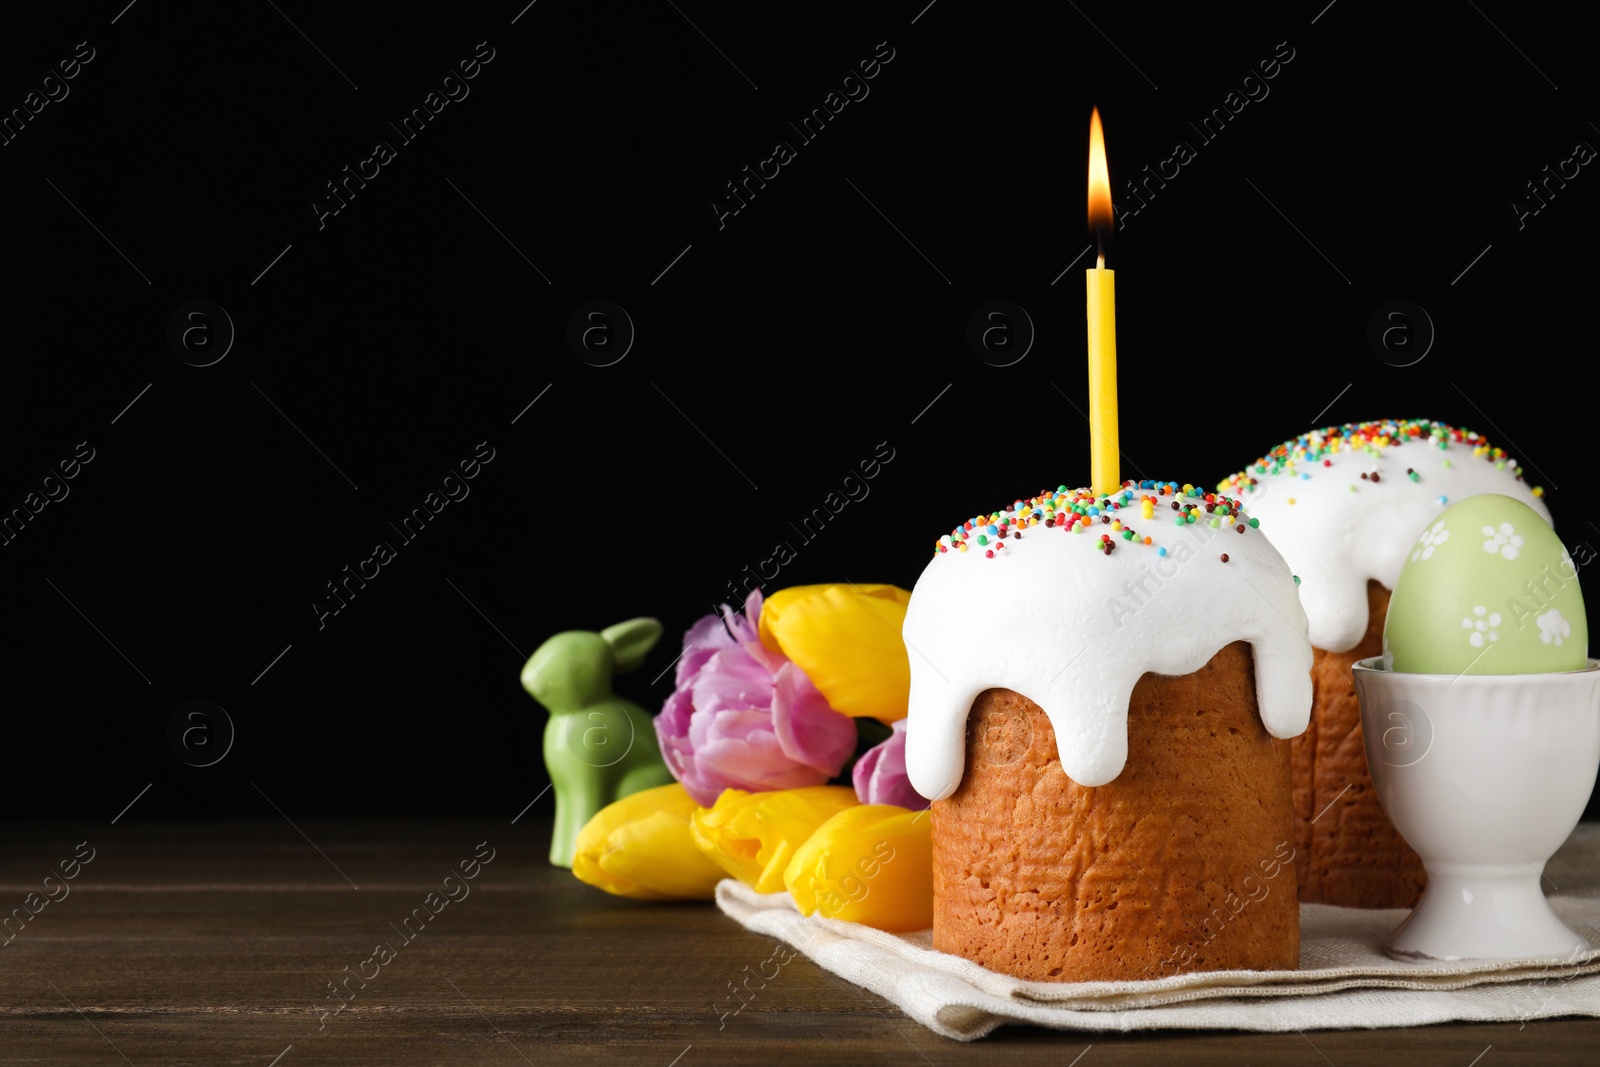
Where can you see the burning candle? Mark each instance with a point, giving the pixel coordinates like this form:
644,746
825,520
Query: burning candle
1102,312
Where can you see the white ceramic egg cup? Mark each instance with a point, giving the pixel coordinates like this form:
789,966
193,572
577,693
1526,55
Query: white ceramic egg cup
1485,776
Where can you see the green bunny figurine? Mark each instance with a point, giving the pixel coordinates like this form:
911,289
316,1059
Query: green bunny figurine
598,748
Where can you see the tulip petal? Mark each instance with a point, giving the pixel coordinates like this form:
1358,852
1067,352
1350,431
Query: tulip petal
765,656
649,854
870,864
672,734
776,604
713,633
641,847
847,640
809,730
705,638
731,679
755,763
746,627
879,776
753,836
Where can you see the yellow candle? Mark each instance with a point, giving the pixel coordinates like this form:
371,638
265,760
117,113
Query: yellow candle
1102,315
1102,292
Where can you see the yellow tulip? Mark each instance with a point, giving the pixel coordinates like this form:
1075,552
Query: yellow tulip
847,640
753,836
871,864
641,847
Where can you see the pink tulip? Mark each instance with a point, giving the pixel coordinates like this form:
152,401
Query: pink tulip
880,774
744,717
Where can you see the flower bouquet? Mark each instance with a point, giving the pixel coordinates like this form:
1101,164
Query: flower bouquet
785,731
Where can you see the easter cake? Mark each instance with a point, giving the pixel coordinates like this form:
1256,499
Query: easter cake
1102,689
1345,505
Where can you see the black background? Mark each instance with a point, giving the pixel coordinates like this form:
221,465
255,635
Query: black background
819,321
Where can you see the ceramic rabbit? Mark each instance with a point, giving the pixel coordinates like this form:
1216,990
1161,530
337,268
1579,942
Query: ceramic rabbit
598,747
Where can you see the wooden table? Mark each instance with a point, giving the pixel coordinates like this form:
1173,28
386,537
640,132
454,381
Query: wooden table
216,943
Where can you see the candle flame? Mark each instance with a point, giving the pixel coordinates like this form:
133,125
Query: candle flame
1099,185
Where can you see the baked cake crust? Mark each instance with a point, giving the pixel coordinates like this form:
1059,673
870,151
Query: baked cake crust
1183,862
1350,853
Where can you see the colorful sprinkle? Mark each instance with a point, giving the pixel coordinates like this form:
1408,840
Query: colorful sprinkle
1071,509
1325,444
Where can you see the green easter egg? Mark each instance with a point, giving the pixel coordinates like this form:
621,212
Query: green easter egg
1487,589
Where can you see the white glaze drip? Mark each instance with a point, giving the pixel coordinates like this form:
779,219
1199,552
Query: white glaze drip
1040,619
1336,540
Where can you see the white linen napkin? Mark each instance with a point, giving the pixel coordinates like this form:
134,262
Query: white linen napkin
1345,979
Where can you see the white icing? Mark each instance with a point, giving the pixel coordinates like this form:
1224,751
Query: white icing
1070,628
1336,540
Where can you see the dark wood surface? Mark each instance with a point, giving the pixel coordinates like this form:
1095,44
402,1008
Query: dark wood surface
212,943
